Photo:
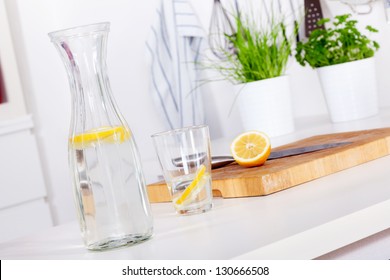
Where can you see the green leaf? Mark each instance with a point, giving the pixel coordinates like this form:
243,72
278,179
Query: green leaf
338,43
259,53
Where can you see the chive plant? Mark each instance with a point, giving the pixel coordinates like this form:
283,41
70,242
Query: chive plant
258,53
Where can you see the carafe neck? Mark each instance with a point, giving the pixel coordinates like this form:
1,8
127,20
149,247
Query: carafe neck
83,51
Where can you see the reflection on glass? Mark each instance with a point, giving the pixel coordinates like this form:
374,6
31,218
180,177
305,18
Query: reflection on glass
2,88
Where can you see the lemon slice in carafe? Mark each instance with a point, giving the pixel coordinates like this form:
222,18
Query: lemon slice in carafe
106,134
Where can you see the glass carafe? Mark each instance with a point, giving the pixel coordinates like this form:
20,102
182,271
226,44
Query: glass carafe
109,186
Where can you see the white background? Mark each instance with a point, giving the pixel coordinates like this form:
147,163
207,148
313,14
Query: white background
301,270
47,92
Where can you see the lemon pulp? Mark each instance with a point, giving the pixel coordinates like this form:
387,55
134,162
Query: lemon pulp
251,148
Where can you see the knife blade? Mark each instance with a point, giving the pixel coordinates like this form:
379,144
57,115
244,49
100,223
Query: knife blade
304,150
220,161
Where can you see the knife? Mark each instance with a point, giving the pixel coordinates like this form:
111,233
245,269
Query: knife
219,161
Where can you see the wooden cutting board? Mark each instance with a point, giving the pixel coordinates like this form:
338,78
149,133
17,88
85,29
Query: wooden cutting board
279,174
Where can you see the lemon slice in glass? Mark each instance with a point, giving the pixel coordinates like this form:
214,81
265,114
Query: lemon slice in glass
195,184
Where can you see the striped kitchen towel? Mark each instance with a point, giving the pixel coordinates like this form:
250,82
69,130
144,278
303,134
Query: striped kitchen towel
174,50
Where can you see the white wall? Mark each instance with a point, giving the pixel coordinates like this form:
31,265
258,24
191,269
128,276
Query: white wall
47,92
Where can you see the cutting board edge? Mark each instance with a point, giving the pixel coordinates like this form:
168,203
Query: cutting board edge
228,188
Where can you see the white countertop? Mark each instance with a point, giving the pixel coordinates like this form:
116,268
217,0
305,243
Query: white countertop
303,222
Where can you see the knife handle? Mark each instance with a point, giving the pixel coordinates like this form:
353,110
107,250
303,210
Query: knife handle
313,13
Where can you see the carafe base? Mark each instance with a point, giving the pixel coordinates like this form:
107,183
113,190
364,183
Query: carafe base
118,241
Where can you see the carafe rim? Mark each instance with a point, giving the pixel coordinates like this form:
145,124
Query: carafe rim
79,31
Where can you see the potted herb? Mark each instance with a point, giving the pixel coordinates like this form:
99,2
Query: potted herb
344,59
257,67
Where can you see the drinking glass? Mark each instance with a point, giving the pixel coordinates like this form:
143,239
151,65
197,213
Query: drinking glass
184,156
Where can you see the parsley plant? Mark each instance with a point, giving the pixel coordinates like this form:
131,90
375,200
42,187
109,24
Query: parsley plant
334,45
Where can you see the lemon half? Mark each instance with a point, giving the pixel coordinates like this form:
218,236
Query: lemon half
251,148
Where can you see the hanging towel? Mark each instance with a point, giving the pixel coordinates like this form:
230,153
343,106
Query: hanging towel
174,49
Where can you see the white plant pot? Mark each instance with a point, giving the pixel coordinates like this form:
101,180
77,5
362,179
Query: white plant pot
266,106
350,89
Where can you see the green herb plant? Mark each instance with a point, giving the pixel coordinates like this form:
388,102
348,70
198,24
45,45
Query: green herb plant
342,42
258,54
